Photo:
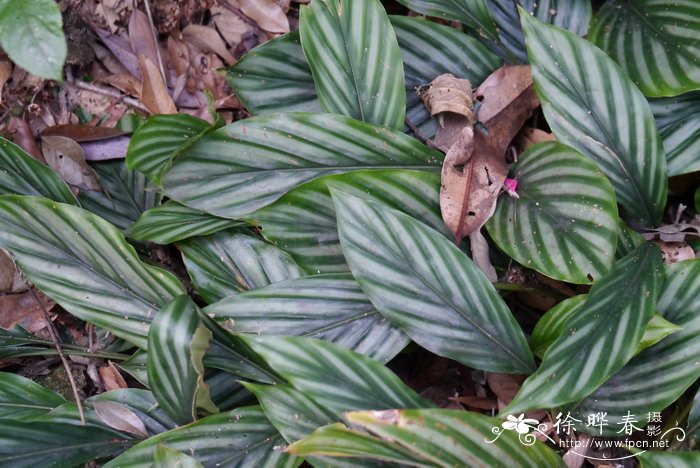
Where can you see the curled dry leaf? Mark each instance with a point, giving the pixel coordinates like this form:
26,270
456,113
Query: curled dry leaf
507,99
66,157
154,93
120,418
673,232
266,13
207,40
450,99
472,177
111,377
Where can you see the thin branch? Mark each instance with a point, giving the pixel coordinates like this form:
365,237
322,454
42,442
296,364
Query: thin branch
420,135
147,5
56,341
112,93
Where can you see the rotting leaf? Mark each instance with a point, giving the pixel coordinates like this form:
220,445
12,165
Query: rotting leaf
450,99
120,417
507,98
66,157
472,177
154,93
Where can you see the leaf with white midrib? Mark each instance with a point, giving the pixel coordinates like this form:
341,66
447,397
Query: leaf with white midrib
591,105
429,288
249,164
600,338
355,60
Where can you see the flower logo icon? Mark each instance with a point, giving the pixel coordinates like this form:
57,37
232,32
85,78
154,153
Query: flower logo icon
520,424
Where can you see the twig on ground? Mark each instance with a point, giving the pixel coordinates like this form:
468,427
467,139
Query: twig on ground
56,341
110,92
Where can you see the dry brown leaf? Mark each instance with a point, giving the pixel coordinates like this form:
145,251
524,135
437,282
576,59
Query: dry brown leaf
120,418
111,377
114,148
231,26
472,177
141,36
121,48
529,136
124,82
504,386
207,40
11,280
673,232
23,309
674,252
154,93
507,99
5,73
266,13
82,133
178,55
23,137
66,157
449,94
112,11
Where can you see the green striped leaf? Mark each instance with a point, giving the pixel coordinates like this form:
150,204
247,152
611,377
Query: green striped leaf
654,42
251,163
429,437
551,325
226,391
177,342
275,77
591,105
20,398
31,444
669,361
601,338
573,15
172,222
564,224
303,223
228,263
163,457
678,120
331,307
473,13
23,175
653,459
693,429
238,438
428,288
430,50
84,264
162,139
627,240
355,60
334,377
126,195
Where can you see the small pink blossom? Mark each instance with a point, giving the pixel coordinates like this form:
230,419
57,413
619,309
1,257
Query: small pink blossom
511,185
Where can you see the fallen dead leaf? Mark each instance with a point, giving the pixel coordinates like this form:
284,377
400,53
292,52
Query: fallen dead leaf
154,93
23,309
120,418
207,40
66,157
11,280
673,232
114,148
266,13
124,82
111,377
231,26
507,100
23,137
121,48
113,11
5,73
141,36
674,252
529,136
83,133
504,386
450,99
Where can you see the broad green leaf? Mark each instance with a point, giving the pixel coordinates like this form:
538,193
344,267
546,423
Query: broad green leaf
678,120
162,139
229,262
303,222
564,224
126,195
627,240
591,105
292,412
251,163
143,403
430,437
336,378
657,329
32,444
693,429
654,42
573,15
473,13
428,288
355,60
429,50
275,77
164,457
84,264
551,325
331,307
238,438
21,174
32,35
670,361
654,459
600,338
22,398
226,390
177,341
171,222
